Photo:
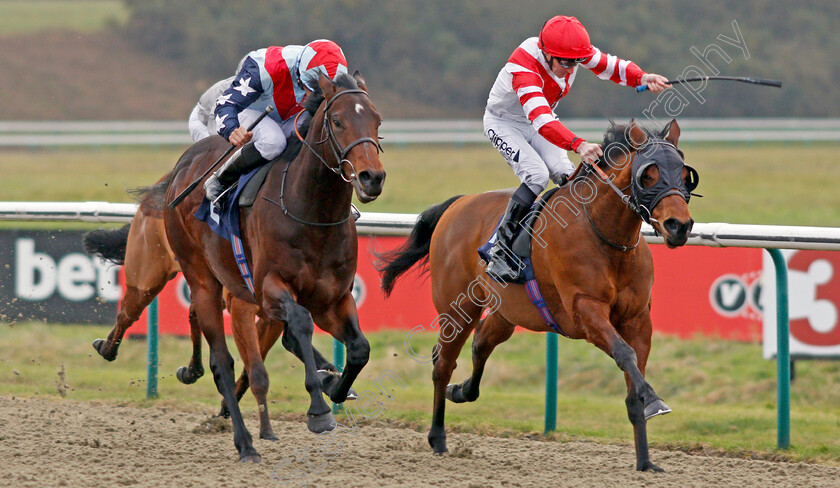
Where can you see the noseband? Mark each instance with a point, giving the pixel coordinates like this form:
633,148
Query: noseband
339,153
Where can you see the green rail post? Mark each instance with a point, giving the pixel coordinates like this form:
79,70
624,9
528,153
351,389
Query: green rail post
550,382
338,360
152,350
782,350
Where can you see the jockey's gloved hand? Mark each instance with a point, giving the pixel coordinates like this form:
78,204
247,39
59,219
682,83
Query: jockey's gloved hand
589,152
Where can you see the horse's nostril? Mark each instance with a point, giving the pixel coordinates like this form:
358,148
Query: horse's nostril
370,178
674,226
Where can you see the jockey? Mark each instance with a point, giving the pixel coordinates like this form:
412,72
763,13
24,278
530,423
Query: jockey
275,76
202,122
520,122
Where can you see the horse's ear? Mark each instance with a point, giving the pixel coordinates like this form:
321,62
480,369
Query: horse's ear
326,84
671,132
636,135
359,80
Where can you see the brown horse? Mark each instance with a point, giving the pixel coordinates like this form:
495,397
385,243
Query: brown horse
148,263
594,270
300,243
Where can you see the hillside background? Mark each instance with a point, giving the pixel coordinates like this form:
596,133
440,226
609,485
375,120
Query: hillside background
151,59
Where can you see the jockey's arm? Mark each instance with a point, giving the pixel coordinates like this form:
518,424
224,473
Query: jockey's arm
623,72
245,90
528,86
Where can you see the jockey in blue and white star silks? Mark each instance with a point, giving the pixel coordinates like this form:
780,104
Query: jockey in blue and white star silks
273,76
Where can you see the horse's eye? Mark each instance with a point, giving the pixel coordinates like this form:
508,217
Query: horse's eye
336,123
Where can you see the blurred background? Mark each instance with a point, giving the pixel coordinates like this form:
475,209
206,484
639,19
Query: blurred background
151,59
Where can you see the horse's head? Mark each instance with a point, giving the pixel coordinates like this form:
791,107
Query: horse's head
351,124
661,182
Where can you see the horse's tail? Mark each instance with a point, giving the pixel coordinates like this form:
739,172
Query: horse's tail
110,244
107,244
392,265
151,198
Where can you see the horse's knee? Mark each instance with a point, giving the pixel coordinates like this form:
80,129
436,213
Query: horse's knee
623,354
358,352
221,361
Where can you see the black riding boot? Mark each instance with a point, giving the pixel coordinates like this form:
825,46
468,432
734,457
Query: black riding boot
499,267
243,160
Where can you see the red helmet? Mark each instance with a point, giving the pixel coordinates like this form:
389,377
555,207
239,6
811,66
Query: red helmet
565,37
320,56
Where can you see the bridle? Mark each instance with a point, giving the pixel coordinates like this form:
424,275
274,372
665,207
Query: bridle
340,156
339,153
632,199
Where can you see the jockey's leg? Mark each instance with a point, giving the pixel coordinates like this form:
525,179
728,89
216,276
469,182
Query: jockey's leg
515,215
555,158
514,141
267,143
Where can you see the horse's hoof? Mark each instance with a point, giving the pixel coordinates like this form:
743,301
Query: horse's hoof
269,437
656,407
649,466
450,388
98,344
250,458
321,423
185,376
329,382
438,445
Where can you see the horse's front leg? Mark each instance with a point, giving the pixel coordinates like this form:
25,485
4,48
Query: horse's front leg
592,316
637,333
280,306
343,323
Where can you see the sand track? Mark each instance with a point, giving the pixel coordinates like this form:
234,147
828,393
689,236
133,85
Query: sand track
45,442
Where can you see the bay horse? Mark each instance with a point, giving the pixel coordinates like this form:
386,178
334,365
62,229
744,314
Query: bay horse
300,243
148,264
594,270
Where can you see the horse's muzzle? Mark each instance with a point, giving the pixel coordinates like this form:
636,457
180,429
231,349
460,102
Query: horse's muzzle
369,185
677,231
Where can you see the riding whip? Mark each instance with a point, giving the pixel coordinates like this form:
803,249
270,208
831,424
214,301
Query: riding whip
181,196
754,81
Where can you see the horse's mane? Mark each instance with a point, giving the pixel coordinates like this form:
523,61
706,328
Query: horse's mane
616,141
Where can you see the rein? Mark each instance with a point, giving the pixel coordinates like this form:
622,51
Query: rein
625,199
340,156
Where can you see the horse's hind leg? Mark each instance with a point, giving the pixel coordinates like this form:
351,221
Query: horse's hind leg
280,306
642,402
194,370
491,332
247,341
454,330
206,295
148,266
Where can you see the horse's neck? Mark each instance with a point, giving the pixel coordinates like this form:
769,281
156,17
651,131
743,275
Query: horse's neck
615,219
310,180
